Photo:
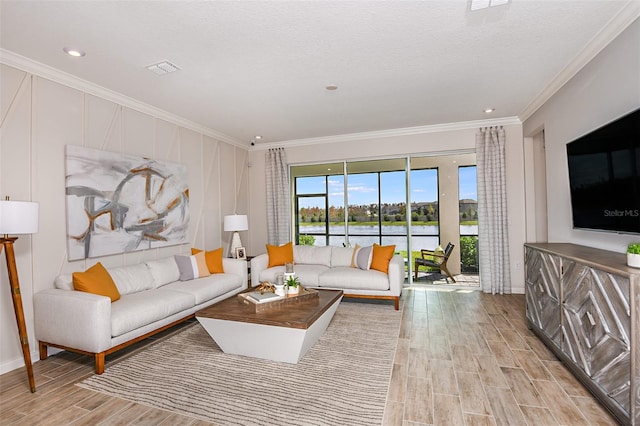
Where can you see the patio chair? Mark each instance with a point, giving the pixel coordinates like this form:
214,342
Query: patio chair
435,259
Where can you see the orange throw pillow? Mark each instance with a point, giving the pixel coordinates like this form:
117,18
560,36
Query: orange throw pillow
96,280
213,258
381,257
279,255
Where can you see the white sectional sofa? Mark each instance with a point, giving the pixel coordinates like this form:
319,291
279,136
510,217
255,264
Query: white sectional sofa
152,299
330,268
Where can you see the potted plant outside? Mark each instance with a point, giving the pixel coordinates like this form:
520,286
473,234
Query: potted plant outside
293,284
633,255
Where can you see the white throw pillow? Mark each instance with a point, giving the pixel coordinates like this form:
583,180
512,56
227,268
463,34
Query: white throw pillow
164,271
312,255
64,282
341,256
132,278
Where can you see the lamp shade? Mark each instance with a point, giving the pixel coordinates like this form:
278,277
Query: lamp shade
236,222
18,217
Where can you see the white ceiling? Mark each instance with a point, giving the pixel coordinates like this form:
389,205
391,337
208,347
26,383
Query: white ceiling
250,68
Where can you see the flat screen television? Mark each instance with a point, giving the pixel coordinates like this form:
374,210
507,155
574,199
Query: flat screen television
604,177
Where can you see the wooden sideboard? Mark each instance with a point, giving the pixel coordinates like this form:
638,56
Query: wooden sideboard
584,303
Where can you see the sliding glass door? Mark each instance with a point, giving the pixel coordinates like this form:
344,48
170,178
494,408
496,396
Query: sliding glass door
376,194
468,210
365,202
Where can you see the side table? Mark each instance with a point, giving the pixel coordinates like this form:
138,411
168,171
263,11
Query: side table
249,270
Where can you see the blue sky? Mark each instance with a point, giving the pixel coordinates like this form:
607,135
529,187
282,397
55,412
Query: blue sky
363,187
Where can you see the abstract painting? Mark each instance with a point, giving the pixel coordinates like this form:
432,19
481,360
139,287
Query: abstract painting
120,203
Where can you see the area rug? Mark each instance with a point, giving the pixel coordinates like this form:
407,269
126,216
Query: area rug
342,380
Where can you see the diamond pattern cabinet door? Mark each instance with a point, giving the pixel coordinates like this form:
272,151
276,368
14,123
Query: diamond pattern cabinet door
596,327
543,272
578,315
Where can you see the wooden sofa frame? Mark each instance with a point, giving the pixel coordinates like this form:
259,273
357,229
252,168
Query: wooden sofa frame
100,356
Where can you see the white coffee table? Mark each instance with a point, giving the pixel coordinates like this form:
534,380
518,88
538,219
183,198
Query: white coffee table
281,334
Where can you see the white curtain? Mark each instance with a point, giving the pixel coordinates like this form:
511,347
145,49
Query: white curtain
278,200
493,241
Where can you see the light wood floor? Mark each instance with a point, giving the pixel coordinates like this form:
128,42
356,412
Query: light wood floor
463,358
468,358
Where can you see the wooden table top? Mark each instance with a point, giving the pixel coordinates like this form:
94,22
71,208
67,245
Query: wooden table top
296,315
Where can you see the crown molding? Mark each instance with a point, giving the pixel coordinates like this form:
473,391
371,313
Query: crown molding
406,131
45,71
625,17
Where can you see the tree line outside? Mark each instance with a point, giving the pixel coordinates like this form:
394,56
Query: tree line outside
425,213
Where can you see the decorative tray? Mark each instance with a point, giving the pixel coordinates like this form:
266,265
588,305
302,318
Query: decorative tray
303,295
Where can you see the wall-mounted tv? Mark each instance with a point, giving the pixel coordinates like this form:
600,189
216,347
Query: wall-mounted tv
604,175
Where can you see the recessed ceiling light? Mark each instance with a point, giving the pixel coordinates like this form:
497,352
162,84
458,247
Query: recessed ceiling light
489,110
72,51
257,137
331,87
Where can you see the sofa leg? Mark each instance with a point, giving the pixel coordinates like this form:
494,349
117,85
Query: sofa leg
44,353
99,363
397,303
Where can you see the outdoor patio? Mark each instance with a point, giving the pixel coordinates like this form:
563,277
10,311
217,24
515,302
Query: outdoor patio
436,278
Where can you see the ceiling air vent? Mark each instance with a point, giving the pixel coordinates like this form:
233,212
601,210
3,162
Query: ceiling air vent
483,4
162,68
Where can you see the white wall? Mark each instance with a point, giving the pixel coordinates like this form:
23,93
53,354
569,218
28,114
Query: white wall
397,146
605,89
38,118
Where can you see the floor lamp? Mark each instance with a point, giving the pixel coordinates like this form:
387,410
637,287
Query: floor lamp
18,217
234,223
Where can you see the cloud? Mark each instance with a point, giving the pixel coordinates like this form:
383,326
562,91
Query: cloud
361,188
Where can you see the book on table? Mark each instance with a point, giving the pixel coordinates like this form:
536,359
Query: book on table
258,297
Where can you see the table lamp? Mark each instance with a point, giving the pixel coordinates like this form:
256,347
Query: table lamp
18,217
234,223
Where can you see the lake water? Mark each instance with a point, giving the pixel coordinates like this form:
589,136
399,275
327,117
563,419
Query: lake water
368,234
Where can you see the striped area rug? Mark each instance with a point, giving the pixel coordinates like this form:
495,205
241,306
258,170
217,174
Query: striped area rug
342,380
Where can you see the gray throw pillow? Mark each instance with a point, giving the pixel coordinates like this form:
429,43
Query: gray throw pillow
363,257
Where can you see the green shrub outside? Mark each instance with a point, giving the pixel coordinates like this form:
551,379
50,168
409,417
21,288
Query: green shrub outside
469,254
306,240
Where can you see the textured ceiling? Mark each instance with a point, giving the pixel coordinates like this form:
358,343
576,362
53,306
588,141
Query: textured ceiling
252,68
